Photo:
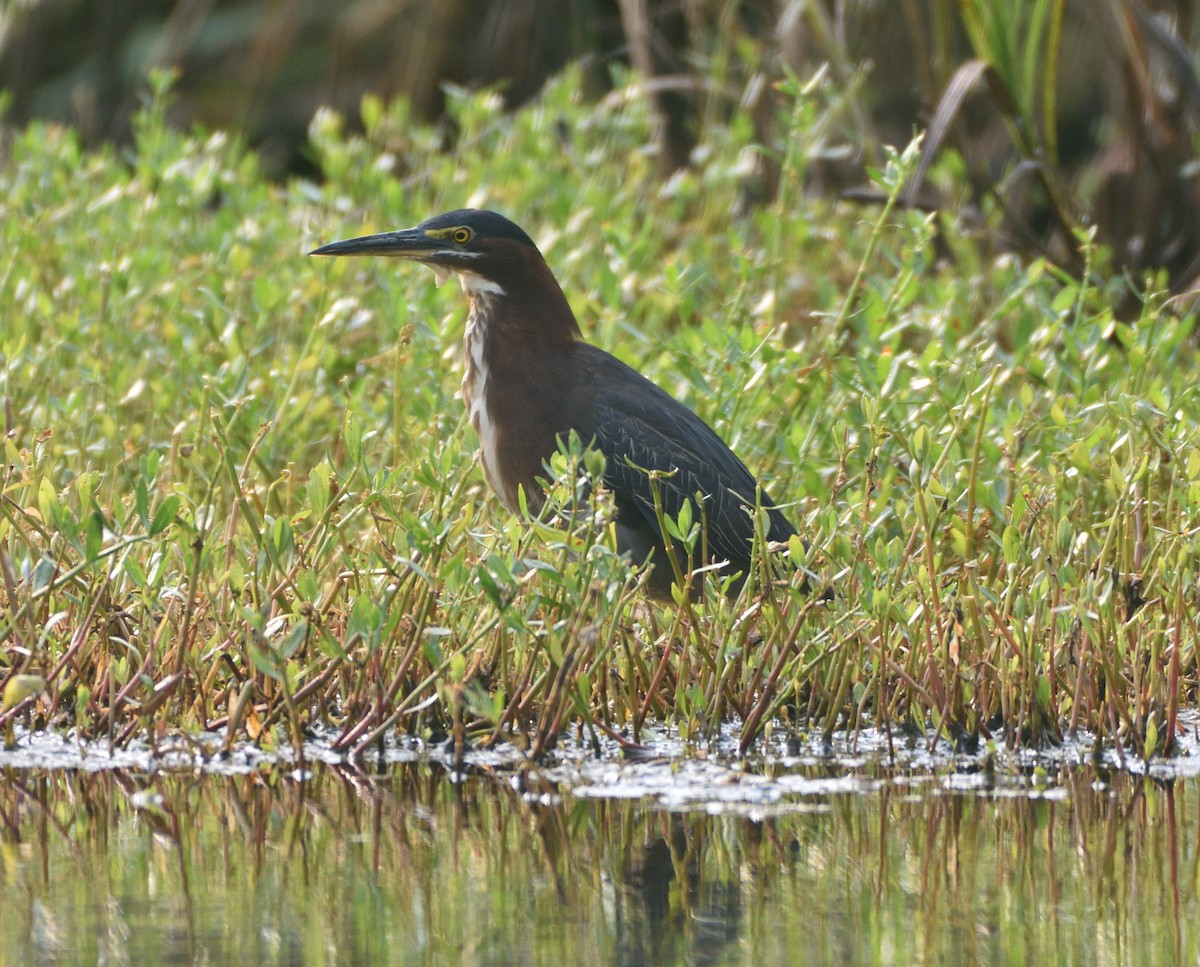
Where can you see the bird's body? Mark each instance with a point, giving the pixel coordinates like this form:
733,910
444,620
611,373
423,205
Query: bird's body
530,380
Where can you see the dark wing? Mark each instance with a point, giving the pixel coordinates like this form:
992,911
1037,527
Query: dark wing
635,422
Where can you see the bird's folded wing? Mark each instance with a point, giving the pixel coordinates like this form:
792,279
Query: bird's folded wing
639,428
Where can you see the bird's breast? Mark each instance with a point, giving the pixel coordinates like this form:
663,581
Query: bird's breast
475,395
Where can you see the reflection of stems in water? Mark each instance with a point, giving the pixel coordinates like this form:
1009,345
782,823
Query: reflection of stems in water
409,866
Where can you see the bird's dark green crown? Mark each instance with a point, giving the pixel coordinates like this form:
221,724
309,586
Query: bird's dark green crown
482,224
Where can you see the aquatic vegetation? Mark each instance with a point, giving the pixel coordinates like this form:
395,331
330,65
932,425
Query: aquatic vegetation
237,494
351,865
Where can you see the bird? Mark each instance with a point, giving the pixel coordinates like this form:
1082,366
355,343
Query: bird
530,379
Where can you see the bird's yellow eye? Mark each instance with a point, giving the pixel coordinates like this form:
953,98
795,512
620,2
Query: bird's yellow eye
462,235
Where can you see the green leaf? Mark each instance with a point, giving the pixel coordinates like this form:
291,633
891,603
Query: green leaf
94,535
21,687
294,639
352,436
266,663
165,516
141,501
1012,544
319,490
685,518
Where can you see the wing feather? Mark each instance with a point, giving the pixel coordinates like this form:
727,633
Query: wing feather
639,427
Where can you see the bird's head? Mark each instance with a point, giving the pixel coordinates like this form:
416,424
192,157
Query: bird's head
488,252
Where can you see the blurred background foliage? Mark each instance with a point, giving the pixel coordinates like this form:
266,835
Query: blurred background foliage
1060,114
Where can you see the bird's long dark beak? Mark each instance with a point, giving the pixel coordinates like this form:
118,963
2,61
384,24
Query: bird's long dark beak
410,243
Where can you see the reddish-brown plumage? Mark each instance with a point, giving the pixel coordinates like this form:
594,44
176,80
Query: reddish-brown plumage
530,380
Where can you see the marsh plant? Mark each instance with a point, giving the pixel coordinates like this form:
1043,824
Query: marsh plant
239,490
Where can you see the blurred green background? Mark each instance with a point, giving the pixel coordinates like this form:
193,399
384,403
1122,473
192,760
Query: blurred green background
1069,113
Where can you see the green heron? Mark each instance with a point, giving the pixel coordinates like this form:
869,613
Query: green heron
531,379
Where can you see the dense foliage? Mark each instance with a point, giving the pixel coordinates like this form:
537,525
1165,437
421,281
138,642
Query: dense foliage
239,488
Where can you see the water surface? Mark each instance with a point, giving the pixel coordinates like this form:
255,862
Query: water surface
807,859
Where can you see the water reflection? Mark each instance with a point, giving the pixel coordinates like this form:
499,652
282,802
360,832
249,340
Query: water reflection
411,867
